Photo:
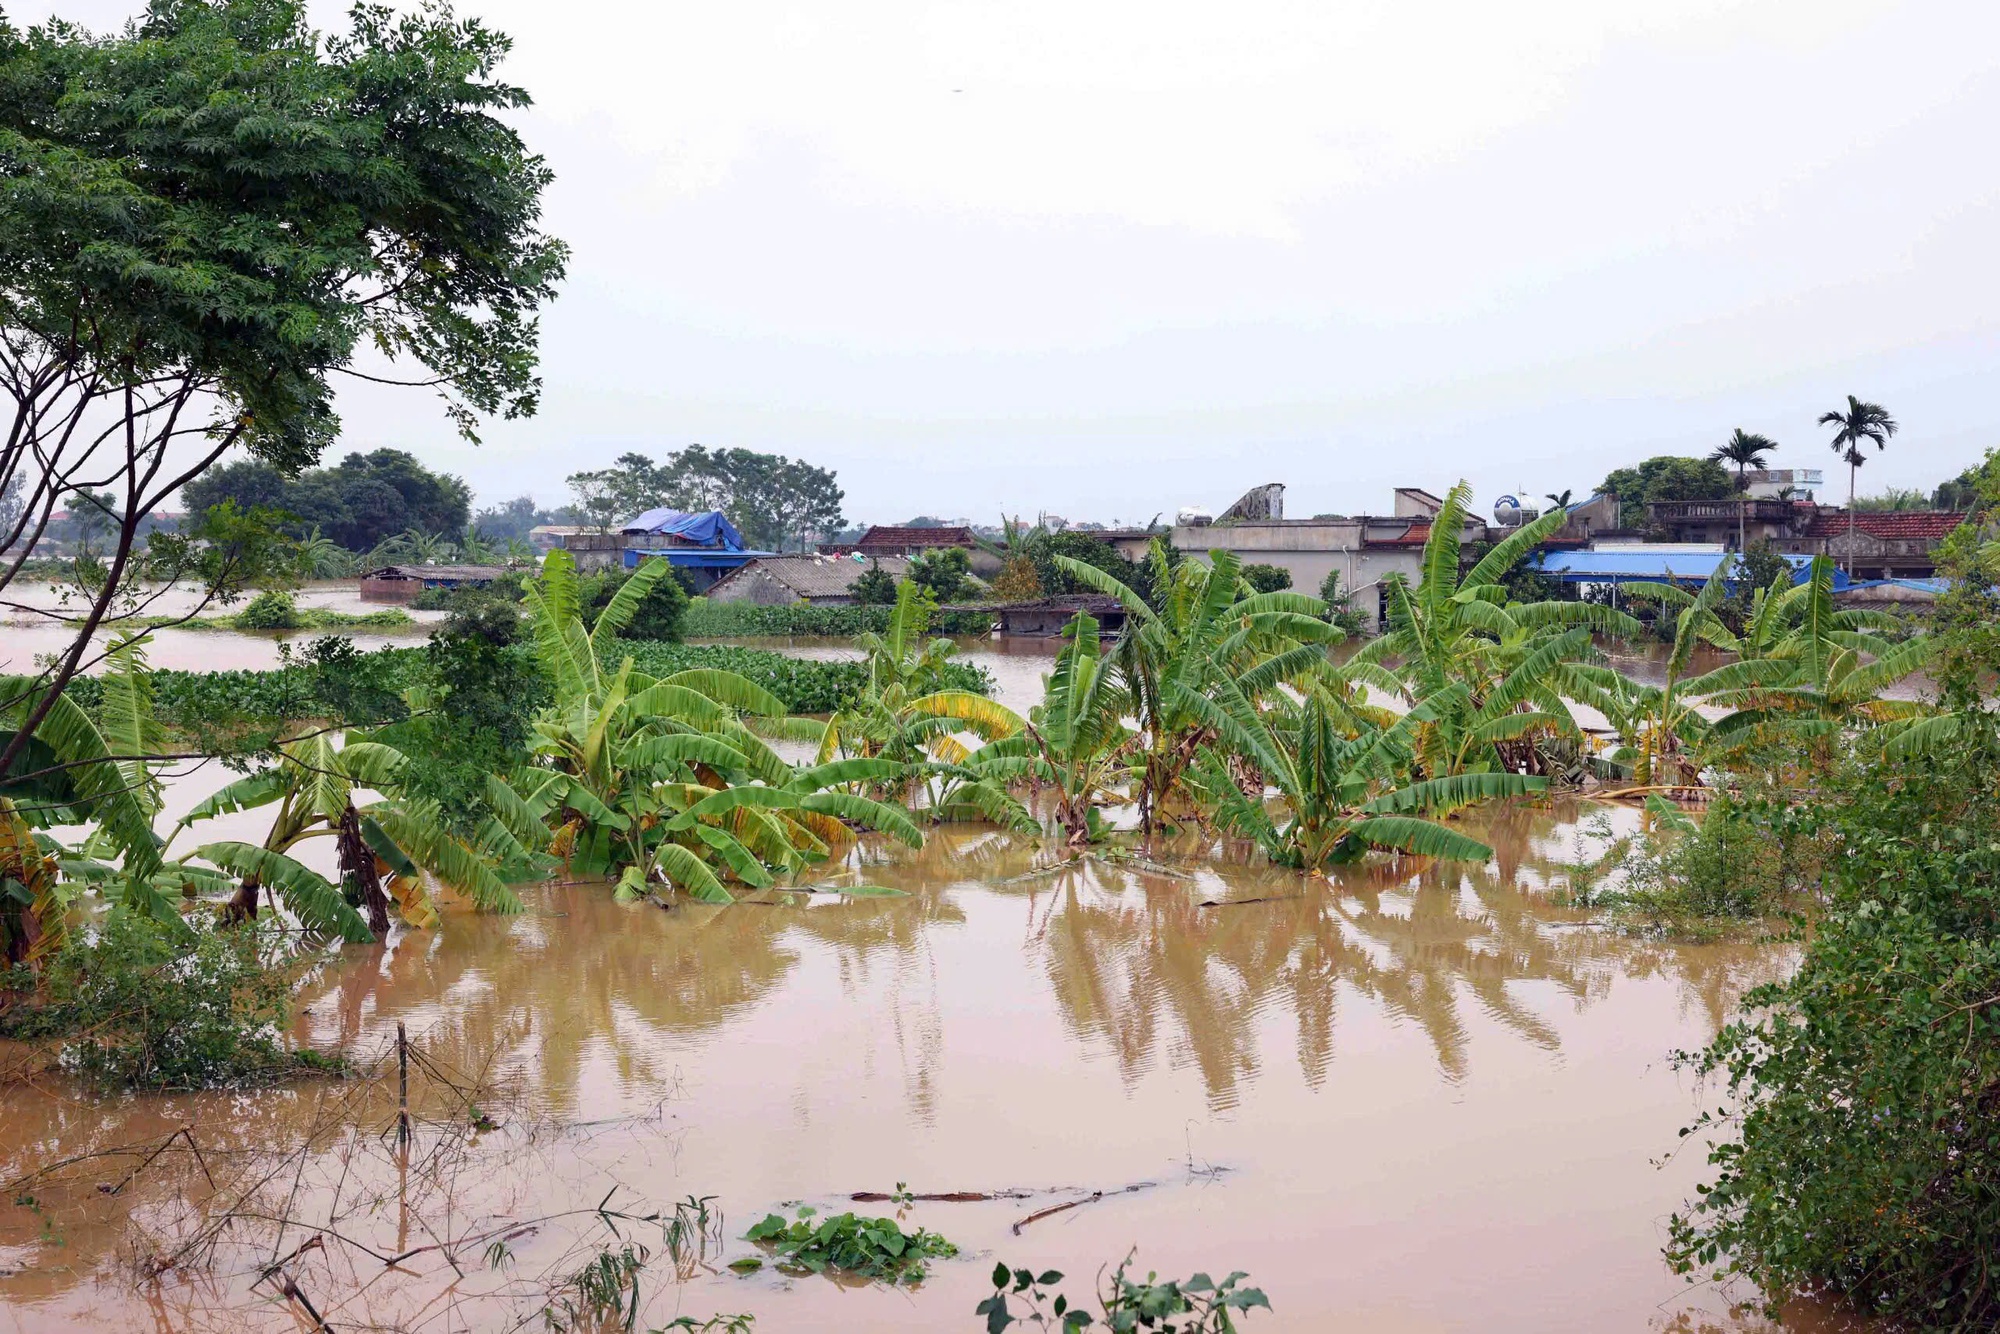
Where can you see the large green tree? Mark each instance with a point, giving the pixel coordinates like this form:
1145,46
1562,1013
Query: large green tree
205,216
774,500
362,502
1666,477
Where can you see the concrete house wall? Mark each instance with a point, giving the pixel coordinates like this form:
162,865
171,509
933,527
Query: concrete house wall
1313,548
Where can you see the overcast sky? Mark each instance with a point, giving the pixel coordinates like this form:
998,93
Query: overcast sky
1106,260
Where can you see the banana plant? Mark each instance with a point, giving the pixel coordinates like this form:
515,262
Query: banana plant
1341,781
1805,672
1210,625
902,715
1520,664
33,905
325,558
1662,727
72,773
660,782
387,849
1839,666
1075,741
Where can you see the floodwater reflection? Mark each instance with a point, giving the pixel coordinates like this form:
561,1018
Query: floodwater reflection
1437,1097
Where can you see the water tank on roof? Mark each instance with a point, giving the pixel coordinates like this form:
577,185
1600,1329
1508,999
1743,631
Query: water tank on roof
1510,512
1191,516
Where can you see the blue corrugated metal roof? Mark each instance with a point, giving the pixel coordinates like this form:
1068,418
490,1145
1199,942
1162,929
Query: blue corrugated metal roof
695,558
1934,586
710,529
1680,567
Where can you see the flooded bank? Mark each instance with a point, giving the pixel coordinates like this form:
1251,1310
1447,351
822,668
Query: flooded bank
1429,1102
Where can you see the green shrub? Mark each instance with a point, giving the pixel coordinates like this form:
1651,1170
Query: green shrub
1340,608
1865,1155
945,573
806,685
874,587
659,617
507,588
1267,578
139,1004
1746,858
748,620
269,610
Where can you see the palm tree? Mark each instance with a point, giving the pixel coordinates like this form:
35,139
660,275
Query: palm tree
1861,422
1559,500
1017,580
1745,449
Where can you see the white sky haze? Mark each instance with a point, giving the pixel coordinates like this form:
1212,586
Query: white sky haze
1107,259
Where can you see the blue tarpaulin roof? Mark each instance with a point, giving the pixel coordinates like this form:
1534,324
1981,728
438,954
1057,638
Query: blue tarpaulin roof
707,530
1680,567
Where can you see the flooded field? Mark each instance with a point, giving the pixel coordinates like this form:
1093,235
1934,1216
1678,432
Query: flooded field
26,635
1401,1103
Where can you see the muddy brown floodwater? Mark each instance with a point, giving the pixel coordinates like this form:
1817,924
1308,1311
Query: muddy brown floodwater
1401,1102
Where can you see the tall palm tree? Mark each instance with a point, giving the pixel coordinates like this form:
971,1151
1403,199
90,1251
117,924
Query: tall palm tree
1861,422
1745,449
1559,500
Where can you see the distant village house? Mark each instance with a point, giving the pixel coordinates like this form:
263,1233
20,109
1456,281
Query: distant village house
817,581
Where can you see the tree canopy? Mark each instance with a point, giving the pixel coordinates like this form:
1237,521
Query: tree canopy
1666,477
360,503
774,500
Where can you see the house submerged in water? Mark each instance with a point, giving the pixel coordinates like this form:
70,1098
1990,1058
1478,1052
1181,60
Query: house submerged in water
701,546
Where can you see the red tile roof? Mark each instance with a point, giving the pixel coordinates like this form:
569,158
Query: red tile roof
1418,533
1887,525
886,535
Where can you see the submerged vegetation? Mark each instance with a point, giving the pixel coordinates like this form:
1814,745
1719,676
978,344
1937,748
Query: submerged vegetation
539,738
873,1248
140,1005
1193,1305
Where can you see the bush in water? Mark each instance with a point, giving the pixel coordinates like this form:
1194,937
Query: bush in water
140,1004
269,610
1865,1159
865,1247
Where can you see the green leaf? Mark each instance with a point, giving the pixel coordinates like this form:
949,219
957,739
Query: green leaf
307,895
